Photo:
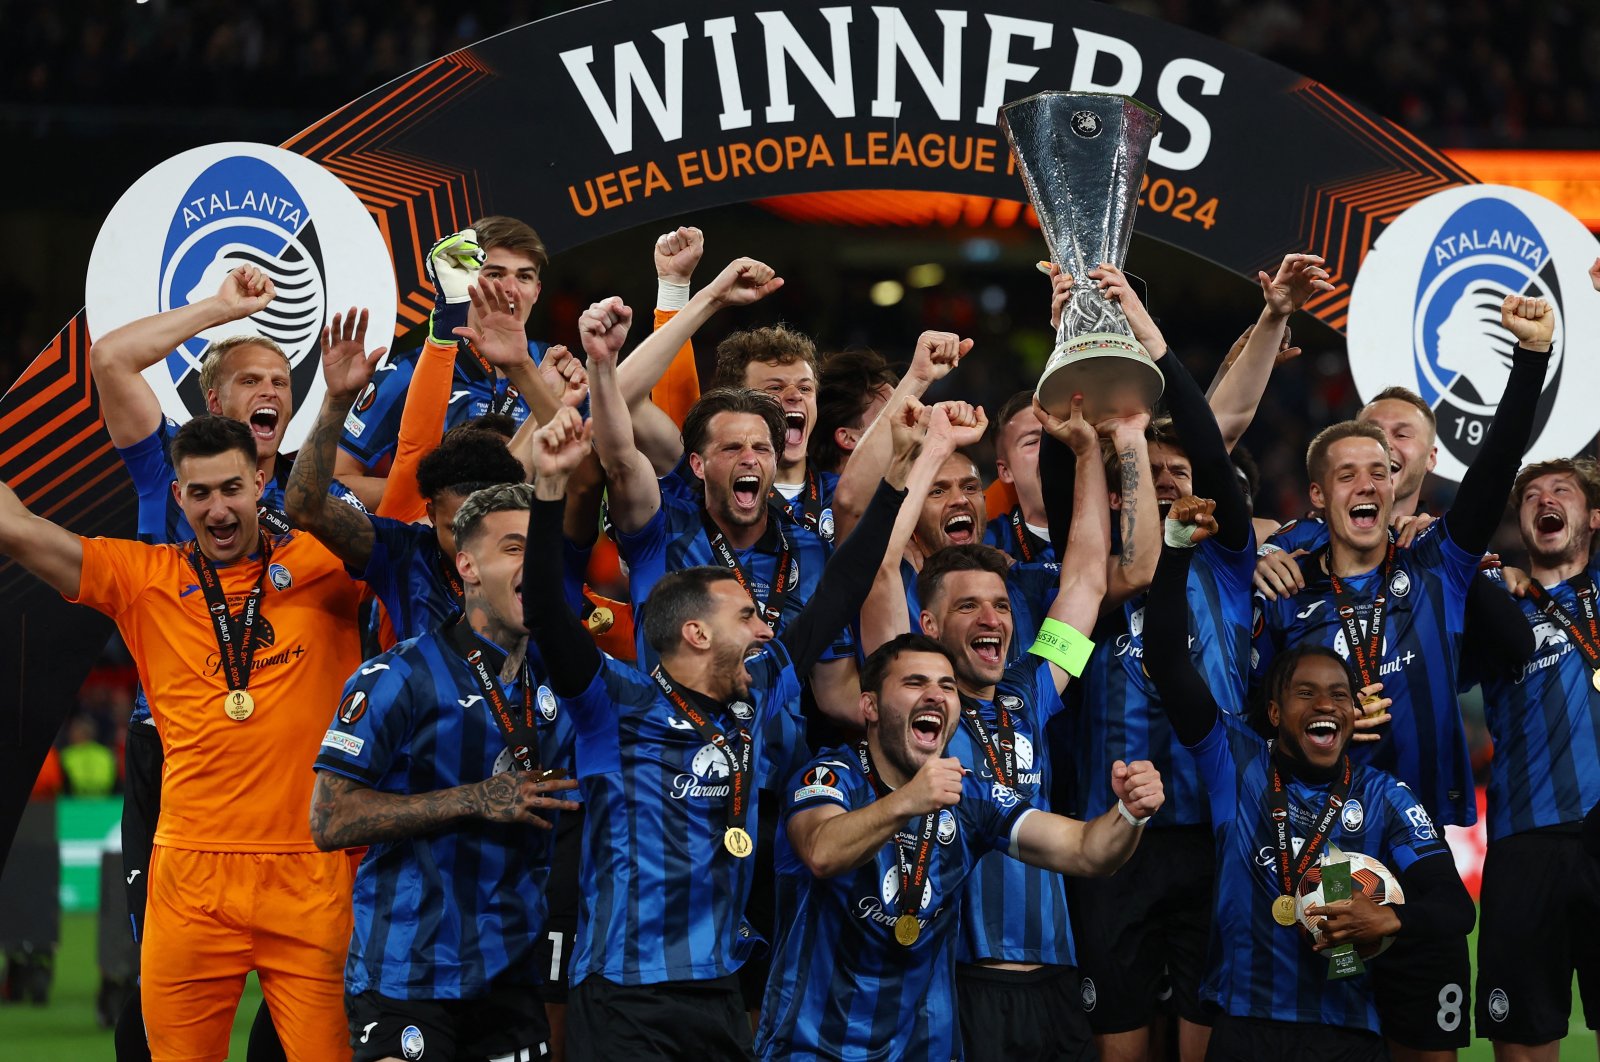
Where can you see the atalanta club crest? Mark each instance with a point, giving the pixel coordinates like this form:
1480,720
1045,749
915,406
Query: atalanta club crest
177,233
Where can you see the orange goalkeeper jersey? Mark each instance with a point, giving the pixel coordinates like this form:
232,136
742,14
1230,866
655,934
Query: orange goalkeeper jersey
227,786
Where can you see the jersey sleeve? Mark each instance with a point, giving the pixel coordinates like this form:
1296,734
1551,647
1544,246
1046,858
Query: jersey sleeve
989,813
370,725
1299,534
115,573
645,550
1263,638
1235,568
1409,832
1046,698
1439,552
679,386
372,427
151,471
420,429
393,544
596,719
826,780
1215,760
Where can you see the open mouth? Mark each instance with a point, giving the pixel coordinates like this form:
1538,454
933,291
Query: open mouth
747,491
1549,523
1394,468
926,726
795,429
264,422
987,648
1322,733
225,536
1364,517
960,528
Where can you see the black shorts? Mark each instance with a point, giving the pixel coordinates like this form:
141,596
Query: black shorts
1008,1015
669,1021
1539,904
1423,991
508,1023
553,951
1142,933
141,807
1254,1039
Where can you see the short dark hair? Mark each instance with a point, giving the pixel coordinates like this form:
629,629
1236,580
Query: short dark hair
1317,452
677,598
697,422
497,230
1582,469
209,435
1281,673
845,388
465,461
1015,404
971,557
500,424
775,345
876,667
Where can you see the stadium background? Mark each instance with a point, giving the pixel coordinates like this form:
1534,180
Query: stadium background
101,91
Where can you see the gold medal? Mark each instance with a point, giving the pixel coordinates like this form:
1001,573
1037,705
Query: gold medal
1283,910
737,842
238,705
907,929
1594,680
600,621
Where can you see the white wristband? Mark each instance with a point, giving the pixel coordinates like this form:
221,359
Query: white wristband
1178,534
1129,817
1267,548
671,296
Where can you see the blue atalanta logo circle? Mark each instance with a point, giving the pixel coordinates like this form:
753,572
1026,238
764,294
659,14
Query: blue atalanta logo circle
1425,314
176,234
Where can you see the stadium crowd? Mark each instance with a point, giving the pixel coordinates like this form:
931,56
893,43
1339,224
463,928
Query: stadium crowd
559,704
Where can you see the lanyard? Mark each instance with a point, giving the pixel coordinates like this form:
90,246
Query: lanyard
1024,538
447,572
504,402
810,515
520,735
1586,638
913,865
999,747
738,756
1364,653
772,609
1278,804
235,641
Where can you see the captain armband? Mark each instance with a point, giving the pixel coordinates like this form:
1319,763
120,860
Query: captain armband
1063,646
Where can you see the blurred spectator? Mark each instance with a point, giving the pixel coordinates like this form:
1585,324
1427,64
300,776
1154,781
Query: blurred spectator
90,767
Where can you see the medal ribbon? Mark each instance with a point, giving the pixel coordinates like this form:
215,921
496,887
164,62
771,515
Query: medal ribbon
772,609
235,644
913,868
452,578
1364,652
1587,641
502,402
520,735
998,747
1023,537
739,759
1278,804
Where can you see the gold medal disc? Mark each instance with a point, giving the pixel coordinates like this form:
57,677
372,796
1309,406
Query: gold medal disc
600,620
907,929
1594,679
238,705
1283,910
737,842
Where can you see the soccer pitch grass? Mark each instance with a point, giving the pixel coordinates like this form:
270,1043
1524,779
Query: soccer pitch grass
65,1030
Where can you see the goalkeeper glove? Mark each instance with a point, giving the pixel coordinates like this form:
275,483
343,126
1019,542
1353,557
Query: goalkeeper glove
452,264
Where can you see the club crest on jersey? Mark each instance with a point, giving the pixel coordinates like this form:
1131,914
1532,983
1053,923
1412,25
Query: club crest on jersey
1499,1004
174,236
1436,279
1352,816
1089,994
411,1042
1009,702
547,704
825,524
1400,584
947,826
280,576
742,710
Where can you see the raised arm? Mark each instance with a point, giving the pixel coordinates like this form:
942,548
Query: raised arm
48,550
632,489
117,360
502,339
936,354
1098,847
347,814
565,646
1481,500
1238,392
830,840
676,255
421,427
1184,695
1083,569
347,367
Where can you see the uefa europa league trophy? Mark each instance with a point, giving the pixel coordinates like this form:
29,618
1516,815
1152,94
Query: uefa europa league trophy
1081,155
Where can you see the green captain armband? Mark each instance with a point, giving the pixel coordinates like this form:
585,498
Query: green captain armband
1062,646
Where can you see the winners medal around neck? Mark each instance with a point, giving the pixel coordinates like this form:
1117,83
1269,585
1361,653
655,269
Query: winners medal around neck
235,638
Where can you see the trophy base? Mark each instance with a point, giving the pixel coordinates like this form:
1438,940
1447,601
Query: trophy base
1112,371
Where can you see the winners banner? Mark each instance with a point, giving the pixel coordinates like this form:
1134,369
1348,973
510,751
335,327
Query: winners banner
626,113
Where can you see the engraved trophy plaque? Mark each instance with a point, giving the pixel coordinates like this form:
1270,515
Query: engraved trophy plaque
1081,156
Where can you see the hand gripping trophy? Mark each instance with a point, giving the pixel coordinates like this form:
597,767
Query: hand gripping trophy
1081,156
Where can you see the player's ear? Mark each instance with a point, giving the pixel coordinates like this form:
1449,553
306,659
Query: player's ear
1433,457
1318,499
465,567
697,466
213,403
1003,471
696,634
930,624
261,483
1273,714
845,439
1594,516
869,707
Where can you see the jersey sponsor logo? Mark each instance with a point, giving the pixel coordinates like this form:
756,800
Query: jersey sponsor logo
678,724
339,741
888,910
707,777
192,588
468,702
133,875
353,707
546,699
1004,795
1352,817
1400,583
1421,825
368,1030
817,792
1437,277
947,826
280,576
354,425
175,235
1136,622
265,638
411,1044
456,396
1550,644
373,669
1499,1004
1311,609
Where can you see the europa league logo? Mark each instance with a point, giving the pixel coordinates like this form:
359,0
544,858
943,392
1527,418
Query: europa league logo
1081,156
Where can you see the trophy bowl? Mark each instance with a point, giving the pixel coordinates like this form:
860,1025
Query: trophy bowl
1112,371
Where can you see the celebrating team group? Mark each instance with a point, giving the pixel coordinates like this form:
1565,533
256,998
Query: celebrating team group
848,757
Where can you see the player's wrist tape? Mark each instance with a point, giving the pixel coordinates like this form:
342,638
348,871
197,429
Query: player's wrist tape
1129,817
671,295
1268,547
1058,643
1179,534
